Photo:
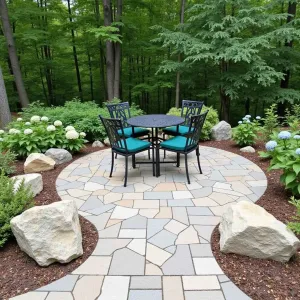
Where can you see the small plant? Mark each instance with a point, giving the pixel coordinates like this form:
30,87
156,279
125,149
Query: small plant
210,121
295,226
271,122
12,203
293,117
245,134
7,160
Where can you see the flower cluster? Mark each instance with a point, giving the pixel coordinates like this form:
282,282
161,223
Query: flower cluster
51,128
284,135
28,131
57,123
72,135
35,119
14,131
271,145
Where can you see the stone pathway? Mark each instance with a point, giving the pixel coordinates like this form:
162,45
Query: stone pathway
154,235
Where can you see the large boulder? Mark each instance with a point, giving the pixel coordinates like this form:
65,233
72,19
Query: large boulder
106,142
98,144
60,156
248,229
34,180
221,132
49,233
37,162
248,149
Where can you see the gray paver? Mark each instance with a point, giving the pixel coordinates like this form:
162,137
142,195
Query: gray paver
108,246
155,225
157,195
110,232
204,295
180,202
217,176
258,190
258,175
223,278
127,262
99,179
200,193
207,182
145,295
204,231
199,211
145,282
81,171
201,250
232,292
163,239
65,284
180,214
99,221
91,203
122,189
70,185
100,210
136,222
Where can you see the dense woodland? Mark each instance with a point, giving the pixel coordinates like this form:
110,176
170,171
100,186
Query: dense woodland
236,55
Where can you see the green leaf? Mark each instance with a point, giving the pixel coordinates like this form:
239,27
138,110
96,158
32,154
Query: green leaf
296,168
290,178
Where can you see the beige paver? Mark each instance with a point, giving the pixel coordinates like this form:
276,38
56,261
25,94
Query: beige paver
172,288
88,287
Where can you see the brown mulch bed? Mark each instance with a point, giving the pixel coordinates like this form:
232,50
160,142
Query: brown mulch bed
262,279
18,272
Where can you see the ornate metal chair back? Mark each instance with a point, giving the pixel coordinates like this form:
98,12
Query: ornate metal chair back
120,111
190,108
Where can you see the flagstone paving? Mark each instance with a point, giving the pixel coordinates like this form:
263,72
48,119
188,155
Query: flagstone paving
154,234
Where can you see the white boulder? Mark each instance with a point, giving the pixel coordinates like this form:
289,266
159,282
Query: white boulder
248,229
34,180
221,132
248,149
37,162
60,156
106,142
49,233
98,144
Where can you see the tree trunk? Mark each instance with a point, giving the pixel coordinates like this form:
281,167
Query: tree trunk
292,8
91,75
13,54
110,57
5,115
177,100
75,52
225,106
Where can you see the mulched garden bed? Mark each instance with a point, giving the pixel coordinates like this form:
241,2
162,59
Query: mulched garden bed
18,272
262,279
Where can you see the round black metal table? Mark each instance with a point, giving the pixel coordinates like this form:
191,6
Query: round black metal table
155,122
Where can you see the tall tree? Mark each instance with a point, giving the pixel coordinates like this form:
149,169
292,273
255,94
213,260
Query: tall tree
5,115
13,54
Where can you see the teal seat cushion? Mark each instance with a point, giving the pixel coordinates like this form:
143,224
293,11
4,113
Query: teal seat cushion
182,130
137,131
134,145
176,143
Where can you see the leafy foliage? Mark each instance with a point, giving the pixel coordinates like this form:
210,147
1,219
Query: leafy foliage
12,203
211,120
293,117
295,226
271,122
7,160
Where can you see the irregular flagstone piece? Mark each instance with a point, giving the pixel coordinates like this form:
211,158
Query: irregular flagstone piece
125,203
207,266
112,222
201,250
156,255
146,204
233,292
157,195
127,262
102,209
94,265
149,212
141,187
194,283
223,278
60,296
204,295
188,236
34,181
92,187
217,176
132,233
175,227
182,202
205,231
115,288
171,249
155,225
221,198
70,185
194,186
99,221
145,295
203,192
164,213
241,188
136,222
172,288
99,179
145,282
122,213
180,186
132,196
78,193
180,215
88,287
122,189
163,239
91,203
204,220
152,269
165,187
110,232
219,210
138,246
37,162
180,263
31,296
199,211
182,195
112,197
65,284
108,246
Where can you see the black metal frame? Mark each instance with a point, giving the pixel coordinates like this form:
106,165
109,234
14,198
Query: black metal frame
192,142
119,145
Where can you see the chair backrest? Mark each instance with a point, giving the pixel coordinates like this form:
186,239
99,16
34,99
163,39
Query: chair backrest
190,108
120,111
195,129
113,128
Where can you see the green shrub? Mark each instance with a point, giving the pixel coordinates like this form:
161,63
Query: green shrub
293,117
7,160
295,226
12,203
85,115
39,135
245,134
271,123
211,120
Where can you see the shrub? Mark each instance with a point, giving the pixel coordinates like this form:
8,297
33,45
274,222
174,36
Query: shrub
245,134
7,160
293,117
211,120
271,122
285,153
84,114
39,135
12,203
295,226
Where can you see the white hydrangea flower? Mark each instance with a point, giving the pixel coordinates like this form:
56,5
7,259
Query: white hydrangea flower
14,131
72,135
1,131
19,119
58,123
27,123
44,119
83,134
51,128
28,131
35,119
1,139
69,128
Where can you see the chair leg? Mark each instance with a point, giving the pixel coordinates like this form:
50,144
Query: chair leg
198,159
116,155
133,161
153,161
164,137
126,170
112,163
178,160
149,140
187,169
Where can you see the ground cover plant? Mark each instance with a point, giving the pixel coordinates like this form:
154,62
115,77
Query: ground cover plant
7,160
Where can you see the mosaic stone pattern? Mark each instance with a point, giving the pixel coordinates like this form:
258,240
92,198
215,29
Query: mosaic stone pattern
154,234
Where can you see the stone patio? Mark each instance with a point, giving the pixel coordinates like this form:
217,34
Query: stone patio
154,235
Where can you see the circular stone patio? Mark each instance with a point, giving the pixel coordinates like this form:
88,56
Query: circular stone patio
154,235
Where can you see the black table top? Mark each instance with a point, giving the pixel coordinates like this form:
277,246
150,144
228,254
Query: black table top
155,121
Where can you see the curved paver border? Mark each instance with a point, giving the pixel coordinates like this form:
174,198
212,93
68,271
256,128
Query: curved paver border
154,235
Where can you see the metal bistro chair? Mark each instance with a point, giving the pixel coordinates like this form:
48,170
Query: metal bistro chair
122,145
188,143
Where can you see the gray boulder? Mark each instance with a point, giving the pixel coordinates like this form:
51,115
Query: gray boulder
248,149
221,132
34,180
60,156
98,144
